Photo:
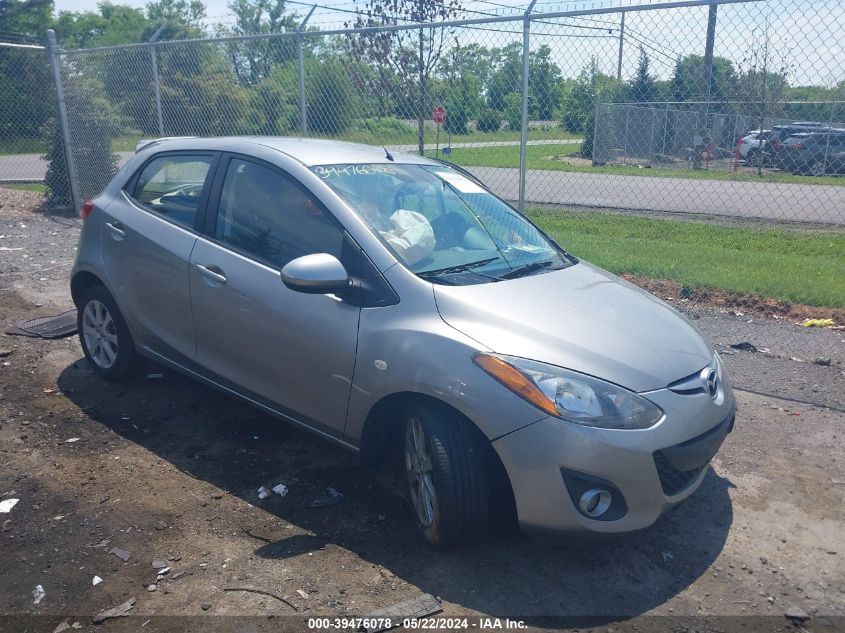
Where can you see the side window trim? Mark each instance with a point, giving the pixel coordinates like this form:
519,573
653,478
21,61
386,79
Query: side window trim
128,188
209,228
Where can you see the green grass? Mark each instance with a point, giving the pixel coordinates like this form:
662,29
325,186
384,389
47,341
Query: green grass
38,187
22,146
799,266
537,158
551,133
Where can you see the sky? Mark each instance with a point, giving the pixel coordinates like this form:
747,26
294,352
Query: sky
805,36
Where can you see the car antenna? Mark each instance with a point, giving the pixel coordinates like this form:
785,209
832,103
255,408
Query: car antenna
387,154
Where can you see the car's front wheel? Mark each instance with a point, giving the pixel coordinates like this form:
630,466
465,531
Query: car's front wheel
446,474
106,341
817,168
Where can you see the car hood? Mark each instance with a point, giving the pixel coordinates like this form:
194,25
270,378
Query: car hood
582,318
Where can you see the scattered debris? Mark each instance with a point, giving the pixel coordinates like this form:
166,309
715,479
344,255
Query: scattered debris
423,605
263,593
264,539
280,489
96,580
71,440
64,625
816,323
38,594
5,352
121,553
796,614
159,564
821,360
7,525
331,498
744,346
163,571
120,611
205,606
154,376
302,594
263,492
7,504
48,391
152,587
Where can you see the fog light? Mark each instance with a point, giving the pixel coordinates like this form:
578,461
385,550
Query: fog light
595,502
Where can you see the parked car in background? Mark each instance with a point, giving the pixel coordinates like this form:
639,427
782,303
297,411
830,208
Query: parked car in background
752,146
774,143
814,153
395,306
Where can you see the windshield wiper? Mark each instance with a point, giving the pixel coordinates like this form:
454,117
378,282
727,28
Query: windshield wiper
459,268
527,269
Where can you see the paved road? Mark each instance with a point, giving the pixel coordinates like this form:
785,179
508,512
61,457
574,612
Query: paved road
32,167
772,201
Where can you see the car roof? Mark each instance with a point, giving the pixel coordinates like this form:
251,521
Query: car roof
307,151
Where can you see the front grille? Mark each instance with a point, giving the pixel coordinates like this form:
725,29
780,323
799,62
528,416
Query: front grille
673,480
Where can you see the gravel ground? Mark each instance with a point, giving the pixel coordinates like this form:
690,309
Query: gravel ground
168,470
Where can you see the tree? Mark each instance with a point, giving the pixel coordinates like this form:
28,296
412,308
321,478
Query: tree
688,80
254,60
463,104
187,12
507,76
411,54
27,101
643,87
113,24
583,97
544,83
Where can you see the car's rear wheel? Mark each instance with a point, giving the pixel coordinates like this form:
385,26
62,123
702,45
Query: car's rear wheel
105,339
446,475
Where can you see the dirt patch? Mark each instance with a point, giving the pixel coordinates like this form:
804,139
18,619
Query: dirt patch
18,202
744,302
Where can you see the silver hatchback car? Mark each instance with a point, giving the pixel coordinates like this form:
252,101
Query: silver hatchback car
393,305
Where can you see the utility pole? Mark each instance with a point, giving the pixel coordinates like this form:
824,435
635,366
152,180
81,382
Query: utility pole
621,47
523,130
708,56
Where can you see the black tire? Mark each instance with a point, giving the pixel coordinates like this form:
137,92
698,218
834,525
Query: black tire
461,500
754,157
126,362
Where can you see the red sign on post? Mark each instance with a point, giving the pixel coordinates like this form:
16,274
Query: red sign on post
439,114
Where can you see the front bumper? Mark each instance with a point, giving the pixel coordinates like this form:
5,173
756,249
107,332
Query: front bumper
652,469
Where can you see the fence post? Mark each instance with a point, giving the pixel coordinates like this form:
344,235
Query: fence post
303,106
53,49
156,83
523,131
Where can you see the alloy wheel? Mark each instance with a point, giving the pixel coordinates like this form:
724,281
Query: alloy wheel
100,334
418,465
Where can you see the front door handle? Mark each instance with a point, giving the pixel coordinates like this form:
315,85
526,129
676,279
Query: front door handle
116,231
209,273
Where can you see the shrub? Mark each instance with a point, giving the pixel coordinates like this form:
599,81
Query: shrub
489,121
513,110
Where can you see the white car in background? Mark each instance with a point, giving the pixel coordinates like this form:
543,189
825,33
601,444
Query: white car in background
752,145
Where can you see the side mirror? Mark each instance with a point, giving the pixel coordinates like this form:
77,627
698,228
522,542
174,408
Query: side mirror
317,274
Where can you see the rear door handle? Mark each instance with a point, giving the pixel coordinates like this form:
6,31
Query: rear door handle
116,231
209,273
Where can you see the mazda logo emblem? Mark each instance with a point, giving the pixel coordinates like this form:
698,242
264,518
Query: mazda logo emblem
710,380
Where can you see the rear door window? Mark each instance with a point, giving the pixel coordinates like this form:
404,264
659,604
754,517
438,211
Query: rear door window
172,185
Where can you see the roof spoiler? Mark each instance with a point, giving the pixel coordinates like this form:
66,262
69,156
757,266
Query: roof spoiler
149,142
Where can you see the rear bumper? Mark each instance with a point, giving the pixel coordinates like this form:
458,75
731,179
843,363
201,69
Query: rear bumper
552,463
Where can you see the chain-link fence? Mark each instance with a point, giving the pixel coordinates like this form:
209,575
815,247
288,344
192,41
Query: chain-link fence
695,147
29,128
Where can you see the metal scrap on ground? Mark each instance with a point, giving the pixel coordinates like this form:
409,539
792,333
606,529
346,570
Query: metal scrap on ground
423,605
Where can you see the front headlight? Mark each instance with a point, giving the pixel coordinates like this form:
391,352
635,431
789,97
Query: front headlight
570,395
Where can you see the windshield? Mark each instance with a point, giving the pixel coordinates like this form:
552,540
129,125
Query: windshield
442,225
